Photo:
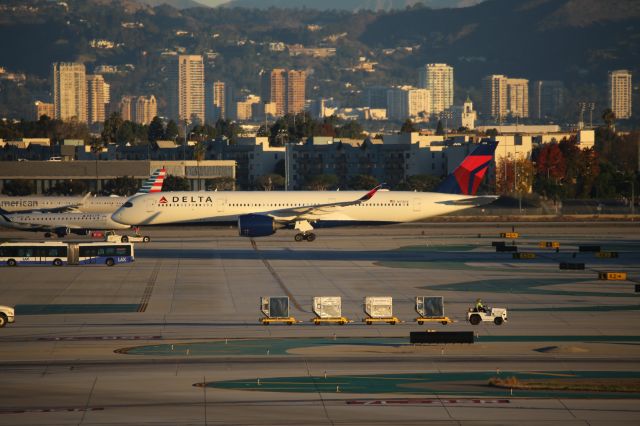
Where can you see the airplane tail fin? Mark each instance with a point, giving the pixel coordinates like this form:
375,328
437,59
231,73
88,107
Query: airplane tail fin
154,183
466,178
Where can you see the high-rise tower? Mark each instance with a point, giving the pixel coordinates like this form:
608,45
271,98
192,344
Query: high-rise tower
619,85
69,91
186,95
96,91
438,78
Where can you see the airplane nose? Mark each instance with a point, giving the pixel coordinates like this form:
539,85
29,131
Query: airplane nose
119,216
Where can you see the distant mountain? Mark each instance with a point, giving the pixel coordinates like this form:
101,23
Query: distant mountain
351,5
538,39
178,4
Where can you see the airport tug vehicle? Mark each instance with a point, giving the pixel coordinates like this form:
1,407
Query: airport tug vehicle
7,315
115,238
379,309
496,315
276,310
328,310
431,309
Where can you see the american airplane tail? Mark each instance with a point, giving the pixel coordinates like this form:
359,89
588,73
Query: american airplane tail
154,183
466,178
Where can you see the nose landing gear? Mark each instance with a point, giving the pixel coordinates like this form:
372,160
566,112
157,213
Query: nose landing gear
305,236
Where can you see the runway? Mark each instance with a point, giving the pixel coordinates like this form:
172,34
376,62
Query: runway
134,344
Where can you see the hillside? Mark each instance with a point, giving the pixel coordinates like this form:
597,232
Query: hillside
350,5
537,39
576,41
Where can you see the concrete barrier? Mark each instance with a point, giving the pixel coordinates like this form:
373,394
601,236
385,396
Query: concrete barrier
441,337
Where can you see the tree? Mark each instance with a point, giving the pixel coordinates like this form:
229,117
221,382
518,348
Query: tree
439,128
550,162
408,127
123,186
171,131
422,183
609,118
363,182
351,129
156,130
225,183
111,126
176,183
18,187
321,182
270,182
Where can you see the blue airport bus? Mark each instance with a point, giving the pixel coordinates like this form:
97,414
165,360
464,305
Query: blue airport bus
60,253
103,253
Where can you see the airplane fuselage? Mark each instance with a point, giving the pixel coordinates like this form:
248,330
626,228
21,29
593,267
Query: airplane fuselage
193,207
54,221
88,205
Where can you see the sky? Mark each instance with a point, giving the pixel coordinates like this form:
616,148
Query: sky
212,2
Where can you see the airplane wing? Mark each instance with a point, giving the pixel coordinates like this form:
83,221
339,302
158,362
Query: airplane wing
471,201
303,212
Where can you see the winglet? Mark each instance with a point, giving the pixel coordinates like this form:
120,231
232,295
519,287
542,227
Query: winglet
370,194
86,196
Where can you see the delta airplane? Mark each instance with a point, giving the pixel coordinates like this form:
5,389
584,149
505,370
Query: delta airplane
260,214
85,204
72,221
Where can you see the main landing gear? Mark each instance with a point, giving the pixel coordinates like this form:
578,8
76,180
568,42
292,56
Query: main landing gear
306,236
305,233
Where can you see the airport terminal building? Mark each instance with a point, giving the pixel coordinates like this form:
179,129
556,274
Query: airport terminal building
94,174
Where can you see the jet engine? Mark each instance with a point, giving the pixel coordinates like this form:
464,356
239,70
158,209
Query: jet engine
62,232
256,225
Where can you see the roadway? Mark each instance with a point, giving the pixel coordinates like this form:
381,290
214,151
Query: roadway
133,344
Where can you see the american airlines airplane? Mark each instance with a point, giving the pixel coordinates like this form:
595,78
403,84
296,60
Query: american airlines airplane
85,204
73,221
260,214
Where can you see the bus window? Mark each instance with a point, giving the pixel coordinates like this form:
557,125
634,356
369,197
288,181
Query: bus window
123,251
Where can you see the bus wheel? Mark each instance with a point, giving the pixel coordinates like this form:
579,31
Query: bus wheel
3,320
146,239
57,262
110,262
11,262
125,239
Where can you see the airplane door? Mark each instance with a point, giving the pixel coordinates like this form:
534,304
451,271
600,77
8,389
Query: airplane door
417,206
149,205
221,204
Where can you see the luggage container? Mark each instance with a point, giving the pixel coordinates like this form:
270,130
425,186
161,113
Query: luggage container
276,310
379,309
607,254
549,244
510,235
612,276
524,255
431,309
328,309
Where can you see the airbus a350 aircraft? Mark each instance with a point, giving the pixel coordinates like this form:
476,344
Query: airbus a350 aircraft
85,204
260,214
74,221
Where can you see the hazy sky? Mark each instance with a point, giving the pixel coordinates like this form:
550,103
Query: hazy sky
212,2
